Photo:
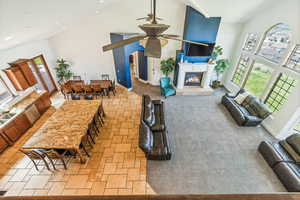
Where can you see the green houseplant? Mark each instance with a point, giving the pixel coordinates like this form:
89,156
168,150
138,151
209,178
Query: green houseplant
221,65
167,66
63,72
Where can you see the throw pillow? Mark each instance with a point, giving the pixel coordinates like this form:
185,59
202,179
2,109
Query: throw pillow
241,98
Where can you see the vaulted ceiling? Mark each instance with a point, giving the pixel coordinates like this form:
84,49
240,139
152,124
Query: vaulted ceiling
25,20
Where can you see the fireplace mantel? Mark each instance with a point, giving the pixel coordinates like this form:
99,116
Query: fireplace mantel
204,88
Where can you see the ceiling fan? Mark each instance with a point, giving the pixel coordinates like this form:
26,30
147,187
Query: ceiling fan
154,32
150,16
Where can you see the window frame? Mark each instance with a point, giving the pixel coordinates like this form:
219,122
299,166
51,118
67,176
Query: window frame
237,69
11,94
262,42
256,36
297,46
283,98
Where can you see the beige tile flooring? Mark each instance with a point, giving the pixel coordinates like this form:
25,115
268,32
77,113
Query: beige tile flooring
116,166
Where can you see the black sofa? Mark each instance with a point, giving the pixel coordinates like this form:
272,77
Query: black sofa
250,113
153,135
284,158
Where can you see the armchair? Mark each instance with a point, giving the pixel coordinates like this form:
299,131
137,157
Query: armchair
166,88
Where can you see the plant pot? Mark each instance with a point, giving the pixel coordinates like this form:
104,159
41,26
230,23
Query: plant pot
216,84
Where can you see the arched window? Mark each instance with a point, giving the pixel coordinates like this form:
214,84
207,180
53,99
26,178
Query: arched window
276,42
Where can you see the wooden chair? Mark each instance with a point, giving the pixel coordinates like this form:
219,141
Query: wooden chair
36,156
85,142
112,87
77,89
97,90
56,156
105,77
66,90
88,92
76,78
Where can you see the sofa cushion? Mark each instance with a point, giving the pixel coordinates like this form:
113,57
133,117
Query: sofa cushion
249,99
149,116
145,138
294,141
261,109
240,98
289,175
289,149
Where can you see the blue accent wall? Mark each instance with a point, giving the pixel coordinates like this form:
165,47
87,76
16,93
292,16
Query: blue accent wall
121,59
199,28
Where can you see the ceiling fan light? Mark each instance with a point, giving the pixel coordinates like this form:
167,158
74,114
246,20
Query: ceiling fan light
163,42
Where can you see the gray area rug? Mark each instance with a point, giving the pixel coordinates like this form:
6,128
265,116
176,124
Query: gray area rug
212,154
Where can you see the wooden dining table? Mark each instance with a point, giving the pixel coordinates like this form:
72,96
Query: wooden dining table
104,84
65,128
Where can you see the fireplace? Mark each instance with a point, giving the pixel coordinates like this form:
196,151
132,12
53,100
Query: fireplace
193,78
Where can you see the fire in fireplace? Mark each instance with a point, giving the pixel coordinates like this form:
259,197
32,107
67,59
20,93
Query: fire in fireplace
193,78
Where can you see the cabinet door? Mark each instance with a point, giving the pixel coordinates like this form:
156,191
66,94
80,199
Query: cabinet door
12,132
22,123
3,143
17,78
43,103
28,74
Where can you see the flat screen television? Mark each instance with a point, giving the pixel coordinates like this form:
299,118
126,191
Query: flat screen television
198,50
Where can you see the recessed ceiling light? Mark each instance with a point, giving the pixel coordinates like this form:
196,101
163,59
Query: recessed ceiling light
8,38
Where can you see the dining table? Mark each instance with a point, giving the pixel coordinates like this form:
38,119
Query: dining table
65,128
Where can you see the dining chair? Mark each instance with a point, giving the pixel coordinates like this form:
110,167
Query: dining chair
85,142
112,87
56,156
97,90
75,97
105,77
66,90
88,92
36,156
76,78
77,89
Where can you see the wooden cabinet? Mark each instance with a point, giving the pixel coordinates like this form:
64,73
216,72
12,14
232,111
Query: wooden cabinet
17,78
3,143
22,123
12,132
16,128
21,75
43,103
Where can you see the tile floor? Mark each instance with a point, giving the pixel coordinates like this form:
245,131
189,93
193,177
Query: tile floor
116,166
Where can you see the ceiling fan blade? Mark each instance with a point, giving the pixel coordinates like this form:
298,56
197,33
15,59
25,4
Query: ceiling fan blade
170,35
141,18
153,48
188,41
123,42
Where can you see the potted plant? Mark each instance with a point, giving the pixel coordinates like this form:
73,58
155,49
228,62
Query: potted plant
221,65
167,66
63,72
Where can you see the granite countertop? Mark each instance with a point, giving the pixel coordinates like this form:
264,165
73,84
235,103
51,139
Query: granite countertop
21,106
66,127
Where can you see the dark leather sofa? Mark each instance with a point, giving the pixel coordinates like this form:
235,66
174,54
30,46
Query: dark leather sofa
153,135
250,113
284,158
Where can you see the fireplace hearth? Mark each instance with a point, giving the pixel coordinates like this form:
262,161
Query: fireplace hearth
193,78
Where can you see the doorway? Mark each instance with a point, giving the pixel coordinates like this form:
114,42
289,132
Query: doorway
42,74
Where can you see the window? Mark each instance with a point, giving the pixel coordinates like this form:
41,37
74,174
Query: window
251,42
241,70
294,60
258,79
276,42
5,93
280,92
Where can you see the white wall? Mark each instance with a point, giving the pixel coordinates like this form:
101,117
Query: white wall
82,43
281,12
28,50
